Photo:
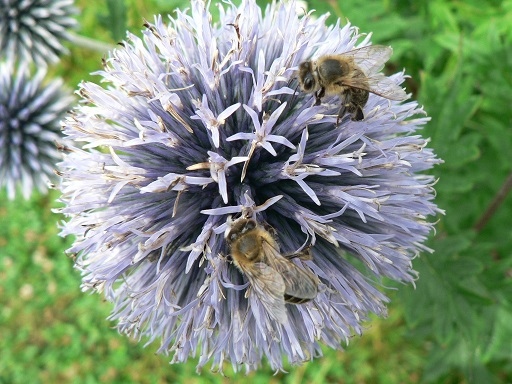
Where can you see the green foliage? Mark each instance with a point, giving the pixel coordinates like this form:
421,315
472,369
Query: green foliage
462,301
456,326
115,21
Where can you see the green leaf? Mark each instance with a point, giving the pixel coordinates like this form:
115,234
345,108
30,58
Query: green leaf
442,15
463,151
116,19
455,244
453,182
500,346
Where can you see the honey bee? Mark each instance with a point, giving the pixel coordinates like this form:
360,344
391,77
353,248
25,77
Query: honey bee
351,75
274,278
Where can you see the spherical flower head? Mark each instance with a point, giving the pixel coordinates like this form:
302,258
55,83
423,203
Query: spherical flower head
204,125
30,115
33,30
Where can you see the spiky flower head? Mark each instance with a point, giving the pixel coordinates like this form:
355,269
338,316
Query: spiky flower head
34,30
30,115
202,125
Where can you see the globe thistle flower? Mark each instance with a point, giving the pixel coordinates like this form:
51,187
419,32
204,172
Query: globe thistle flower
33,30
203,124
30,114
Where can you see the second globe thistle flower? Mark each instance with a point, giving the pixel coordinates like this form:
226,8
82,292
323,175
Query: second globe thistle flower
202,122
34,30
30,115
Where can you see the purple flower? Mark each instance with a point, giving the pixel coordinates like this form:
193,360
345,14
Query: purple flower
203,123
33,30
30,114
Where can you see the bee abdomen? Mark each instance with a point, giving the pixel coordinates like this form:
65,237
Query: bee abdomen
295,300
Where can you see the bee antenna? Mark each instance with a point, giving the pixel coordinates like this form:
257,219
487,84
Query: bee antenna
292,101
295,90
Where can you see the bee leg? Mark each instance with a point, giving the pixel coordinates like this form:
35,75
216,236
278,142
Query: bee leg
356,111
318,96
341,113
357,114
345,105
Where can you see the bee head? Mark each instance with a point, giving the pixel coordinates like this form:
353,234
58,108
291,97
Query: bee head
306,78
240,227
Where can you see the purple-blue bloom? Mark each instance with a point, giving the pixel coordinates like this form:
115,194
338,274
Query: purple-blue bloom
30,115
34,30
202,122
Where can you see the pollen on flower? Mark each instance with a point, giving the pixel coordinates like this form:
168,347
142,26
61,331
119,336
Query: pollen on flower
204,124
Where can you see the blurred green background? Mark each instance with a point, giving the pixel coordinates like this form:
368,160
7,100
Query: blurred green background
454,327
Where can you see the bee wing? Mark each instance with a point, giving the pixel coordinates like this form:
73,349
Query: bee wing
377,84
298,283
269,286
371,58
385,87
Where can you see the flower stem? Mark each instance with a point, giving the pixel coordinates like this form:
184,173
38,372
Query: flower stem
495,203
336,8
88,43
